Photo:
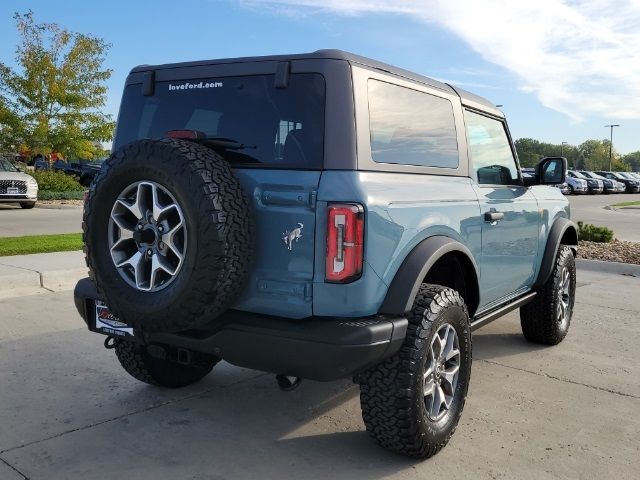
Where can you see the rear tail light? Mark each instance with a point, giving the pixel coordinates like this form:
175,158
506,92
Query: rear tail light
345,243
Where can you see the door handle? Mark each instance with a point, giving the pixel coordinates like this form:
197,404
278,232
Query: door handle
493,217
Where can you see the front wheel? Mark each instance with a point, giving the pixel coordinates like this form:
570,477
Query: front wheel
412,402
547,318
27,205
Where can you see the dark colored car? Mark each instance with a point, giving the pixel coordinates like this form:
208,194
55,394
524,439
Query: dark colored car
631,185
41,164
609,186
88,172
65,167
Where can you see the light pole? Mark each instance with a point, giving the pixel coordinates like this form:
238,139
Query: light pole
562,148
611,144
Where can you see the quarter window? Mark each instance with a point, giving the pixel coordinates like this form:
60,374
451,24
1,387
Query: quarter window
490,151
411,127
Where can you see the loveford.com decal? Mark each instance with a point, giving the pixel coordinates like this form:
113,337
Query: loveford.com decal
191,86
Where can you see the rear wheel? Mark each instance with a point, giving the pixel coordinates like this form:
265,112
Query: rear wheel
547,318
141,365
412,402
570,189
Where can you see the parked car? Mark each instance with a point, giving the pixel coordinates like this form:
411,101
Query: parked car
577,185
609,185
16,186
564,188
630,176
288,238
631,185
41,164
88,172
636,175
594,185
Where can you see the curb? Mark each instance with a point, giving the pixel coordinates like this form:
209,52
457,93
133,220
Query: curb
23,275
609,267
57,206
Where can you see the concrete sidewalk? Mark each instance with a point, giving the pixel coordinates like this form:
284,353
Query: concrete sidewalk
40,273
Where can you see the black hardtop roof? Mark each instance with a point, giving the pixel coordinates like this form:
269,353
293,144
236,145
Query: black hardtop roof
333,54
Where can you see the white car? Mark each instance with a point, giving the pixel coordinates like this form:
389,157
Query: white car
17,187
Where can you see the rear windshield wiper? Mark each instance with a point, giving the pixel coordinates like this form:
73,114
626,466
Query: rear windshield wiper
213,142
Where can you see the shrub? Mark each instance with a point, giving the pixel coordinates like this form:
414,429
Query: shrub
591,233
49,181
48,195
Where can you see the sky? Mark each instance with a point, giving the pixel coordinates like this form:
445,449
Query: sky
561,69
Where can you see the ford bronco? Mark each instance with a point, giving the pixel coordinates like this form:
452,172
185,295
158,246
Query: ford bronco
321,216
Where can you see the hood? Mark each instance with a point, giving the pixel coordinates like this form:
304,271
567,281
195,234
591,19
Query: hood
15,176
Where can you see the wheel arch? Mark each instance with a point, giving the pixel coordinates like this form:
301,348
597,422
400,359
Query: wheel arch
562,232
432,259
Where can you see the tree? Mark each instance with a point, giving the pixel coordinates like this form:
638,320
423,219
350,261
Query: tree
633,160
51,101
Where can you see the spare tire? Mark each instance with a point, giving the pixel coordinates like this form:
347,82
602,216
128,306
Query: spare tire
167,234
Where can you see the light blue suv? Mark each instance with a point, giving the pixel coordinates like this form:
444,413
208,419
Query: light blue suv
321,216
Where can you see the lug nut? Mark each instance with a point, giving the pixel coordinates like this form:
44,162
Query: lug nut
161,245
149,252
139,226
160,228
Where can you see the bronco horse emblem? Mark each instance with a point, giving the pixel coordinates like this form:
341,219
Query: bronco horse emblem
292,236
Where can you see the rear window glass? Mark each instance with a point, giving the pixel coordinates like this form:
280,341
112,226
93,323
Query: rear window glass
411,127
278,127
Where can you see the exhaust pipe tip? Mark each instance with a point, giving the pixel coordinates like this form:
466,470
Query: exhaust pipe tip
287,383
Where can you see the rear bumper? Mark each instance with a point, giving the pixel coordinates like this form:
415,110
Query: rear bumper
20,197
317,348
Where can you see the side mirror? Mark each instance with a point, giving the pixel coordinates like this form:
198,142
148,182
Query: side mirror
549,171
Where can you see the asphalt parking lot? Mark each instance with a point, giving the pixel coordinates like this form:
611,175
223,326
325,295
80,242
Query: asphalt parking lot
69,411
624,222
15,222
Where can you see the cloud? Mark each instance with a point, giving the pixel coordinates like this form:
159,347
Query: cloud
581,58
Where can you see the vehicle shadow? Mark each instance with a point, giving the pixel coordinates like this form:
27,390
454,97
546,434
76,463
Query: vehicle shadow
491,346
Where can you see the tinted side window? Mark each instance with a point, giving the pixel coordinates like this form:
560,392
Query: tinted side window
490,151
411,127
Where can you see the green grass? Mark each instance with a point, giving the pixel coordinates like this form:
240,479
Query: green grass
40,244
627,204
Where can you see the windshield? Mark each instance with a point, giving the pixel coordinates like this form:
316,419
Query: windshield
627,175
595,175
280,127
7,166
577,174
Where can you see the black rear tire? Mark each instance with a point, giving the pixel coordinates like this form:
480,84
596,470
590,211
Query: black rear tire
392,394
541,319
217,250
138,363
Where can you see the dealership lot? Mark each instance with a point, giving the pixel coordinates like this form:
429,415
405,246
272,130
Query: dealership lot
624,222
68,410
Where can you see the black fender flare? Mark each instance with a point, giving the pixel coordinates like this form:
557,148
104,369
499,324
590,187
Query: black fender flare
404,286
562,228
